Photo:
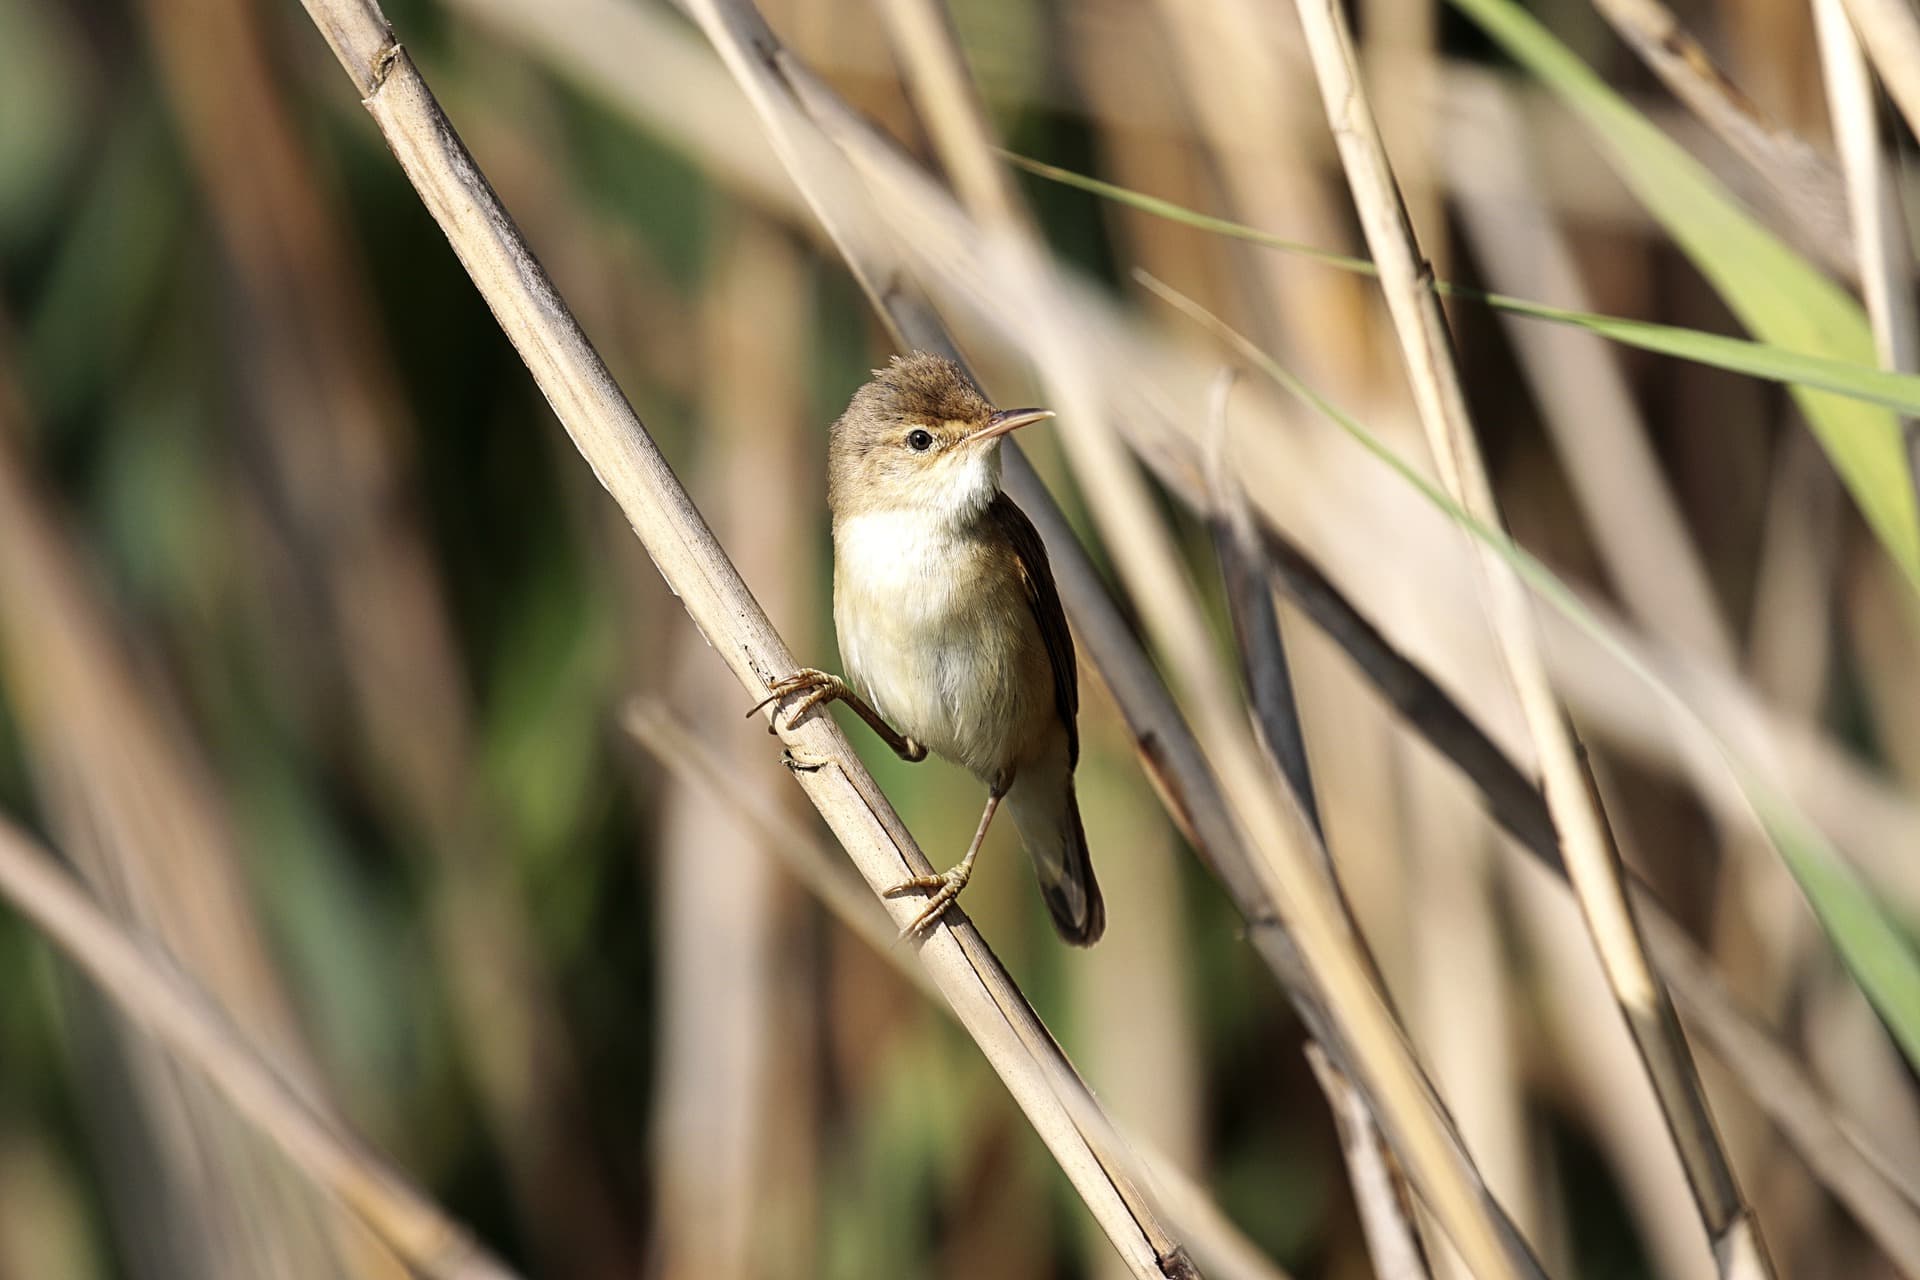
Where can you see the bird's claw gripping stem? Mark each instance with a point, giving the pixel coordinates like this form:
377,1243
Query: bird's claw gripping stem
817,687
945,888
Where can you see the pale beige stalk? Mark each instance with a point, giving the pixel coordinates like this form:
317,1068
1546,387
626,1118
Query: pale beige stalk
1592,862
1801,180
1889,31
1135,1002
611,438
1879,226
151,991
1840,1158
1391,1239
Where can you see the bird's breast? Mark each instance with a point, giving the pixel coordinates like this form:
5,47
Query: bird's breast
936,630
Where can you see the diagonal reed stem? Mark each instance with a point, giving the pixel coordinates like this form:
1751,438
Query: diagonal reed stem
151,991
1884,254
610,436
1592,861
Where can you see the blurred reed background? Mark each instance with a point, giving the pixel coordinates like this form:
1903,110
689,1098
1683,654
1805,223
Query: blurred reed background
331,672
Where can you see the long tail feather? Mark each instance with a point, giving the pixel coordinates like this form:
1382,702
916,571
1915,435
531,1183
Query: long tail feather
1048,815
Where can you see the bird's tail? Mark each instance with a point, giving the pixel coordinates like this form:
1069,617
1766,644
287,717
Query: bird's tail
1044,808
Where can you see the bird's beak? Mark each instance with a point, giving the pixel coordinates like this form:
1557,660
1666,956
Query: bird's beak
1009,420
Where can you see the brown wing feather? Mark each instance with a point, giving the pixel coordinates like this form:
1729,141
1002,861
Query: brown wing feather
1045,599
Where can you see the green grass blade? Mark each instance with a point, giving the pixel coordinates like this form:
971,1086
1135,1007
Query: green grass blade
1896,391
1776,293
1880,958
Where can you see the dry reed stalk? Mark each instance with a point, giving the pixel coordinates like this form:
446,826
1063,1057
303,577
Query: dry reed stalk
1391,1239
1641,536
338,434
1761,930
1249,580
1465,999
1887,1210
611,438
1889,32
1248,575
1217,1244
1401,46
1883,252
1799,178
1586,845
151,991
1623,494
1134,1003
1581,1061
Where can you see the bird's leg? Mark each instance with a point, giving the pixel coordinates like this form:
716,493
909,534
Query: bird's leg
947,885
818,687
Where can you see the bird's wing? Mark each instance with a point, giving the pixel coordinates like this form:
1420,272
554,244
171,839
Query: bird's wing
1044,597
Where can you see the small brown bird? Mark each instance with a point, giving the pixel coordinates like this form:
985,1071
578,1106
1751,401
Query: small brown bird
950,624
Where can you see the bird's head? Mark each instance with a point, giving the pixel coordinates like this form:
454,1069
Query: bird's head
919,436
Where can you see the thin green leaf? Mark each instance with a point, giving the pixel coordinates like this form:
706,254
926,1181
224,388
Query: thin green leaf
1874,950
1897,391
1775,292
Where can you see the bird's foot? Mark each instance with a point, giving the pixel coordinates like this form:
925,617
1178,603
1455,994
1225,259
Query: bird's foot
944,890
814,685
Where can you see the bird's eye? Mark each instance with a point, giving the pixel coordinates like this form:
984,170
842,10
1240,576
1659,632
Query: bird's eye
919,441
